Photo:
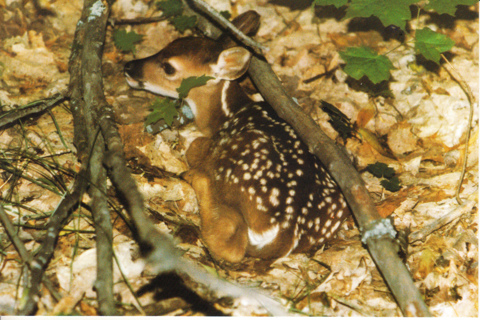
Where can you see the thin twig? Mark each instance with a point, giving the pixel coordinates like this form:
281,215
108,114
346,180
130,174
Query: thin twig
31,108
287,23
12,234
22,251
59,131
137,303
471,99
464,208
18,172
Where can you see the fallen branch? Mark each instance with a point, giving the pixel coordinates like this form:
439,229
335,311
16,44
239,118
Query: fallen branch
382,248
31,108
94,101
377,233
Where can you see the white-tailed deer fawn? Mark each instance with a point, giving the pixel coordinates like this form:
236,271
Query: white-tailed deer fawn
261,192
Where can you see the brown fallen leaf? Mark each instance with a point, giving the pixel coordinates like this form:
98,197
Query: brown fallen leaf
373,141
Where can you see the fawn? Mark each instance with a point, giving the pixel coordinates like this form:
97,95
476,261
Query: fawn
261,192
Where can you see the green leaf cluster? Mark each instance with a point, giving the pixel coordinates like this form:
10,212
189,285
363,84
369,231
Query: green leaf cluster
125,41
381,170
167,109
162,109
448,6
392,12
364,61
431,44
182,23
389,12
170,8
173,10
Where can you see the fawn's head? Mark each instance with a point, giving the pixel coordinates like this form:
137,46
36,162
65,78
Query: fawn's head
187,57
163,72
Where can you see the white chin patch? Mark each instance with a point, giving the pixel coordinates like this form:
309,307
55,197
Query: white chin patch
193,106
132,82
158,90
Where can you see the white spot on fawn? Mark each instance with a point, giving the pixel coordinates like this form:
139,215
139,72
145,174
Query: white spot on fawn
339,214
335,226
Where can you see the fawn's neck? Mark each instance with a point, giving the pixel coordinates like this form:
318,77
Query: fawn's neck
213,105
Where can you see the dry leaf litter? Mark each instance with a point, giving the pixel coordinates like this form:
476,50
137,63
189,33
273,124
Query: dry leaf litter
424,125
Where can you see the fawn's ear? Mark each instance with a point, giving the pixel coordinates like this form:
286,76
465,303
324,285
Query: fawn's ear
232,63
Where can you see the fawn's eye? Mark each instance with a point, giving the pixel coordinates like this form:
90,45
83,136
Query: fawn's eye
168,68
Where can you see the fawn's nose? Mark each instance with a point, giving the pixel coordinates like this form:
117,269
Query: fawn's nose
133,69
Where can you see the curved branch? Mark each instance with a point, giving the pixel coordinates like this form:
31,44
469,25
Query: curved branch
471,100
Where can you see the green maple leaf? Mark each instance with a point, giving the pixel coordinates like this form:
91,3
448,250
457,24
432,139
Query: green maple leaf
389,12
182,23
431,44
170,8
125,41
448,6
162,109
336,3
380,170
364,61
189,83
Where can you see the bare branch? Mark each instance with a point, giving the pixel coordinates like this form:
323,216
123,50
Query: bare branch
31,108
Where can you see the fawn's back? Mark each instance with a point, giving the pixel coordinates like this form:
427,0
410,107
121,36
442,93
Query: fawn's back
261,192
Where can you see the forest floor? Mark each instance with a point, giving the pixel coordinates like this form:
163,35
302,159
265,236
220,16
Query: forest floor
416,124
